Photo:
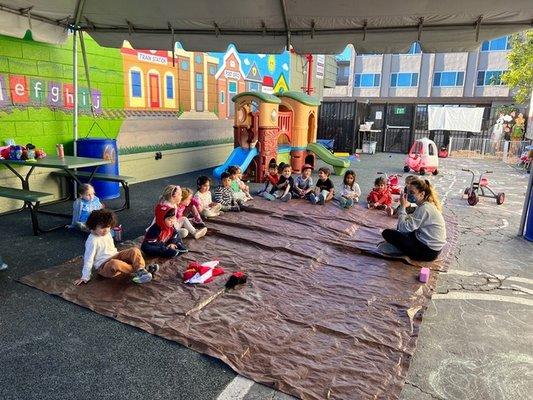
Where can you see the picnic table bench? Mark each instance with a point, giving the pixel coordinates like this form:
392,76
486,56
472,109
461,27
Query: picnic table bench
32,200
122,179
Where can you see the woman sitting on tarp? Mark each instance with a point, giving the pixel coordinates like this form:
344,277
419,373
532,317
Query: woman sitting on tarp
422,234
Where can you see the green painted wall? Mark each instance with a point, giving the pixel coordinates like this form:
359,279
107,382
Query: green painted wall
42,125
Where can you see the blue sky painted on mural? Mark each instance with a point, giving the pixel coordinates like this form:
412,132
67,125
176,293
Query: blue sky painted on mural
272,65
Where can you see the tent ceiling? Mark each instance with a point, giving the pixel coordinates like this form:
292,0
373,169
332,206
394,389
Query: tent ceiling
310,26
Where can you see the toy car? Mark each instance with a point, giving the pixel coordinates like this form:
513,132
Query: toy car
422,157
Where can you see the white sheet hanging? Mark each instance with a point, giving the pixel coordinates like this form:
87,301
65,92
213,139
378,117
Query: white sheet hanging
467,119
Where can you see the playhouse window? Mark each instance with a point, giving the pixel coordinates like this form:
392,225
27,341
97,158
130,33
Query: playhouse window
170,86
185,65
136,87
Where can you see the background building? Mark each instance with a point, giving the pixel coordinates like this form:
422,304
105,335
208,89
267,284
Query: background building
394,92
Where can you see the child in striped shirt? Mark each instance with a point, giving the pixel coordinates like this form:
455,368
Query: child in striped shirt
224,194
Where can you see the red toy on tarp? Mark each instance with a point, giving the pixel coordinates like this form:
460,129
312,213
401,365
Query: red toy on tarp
202,273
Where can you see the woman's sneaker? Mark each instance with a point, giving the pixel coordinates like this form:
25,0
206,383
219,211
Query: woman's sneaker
286,197
153,269
200,233
142,276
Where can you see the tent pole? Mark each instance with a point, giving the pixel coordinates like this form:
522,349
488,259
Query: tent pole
75,84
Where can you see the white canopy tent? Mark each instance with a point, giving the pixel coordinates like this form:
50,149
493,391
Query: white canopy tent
269,26
309,26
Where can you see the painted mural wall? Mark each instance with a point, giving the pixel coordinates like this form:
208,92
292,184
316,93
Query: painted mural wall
148,100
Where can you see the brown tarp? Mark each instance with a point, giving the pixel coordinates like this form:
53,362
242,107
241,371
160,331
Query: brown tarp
321,317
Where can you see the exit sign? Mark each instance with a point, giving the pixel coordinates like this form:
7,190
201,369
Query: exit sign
399,110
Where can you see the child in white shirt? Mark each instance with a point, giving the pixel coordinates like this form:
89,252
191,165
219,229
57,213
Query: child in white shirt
351,191
207,207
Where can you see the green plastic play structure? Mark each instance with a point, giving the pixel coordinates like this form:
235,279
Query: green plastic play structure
340,165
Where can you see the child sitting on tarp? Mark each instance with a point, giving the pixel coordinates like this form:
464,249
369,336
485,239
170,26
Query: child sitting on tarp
207,207
162,239
225,195
350,190
270,180
380,197
324,190
240,190
282,190
86,203
172,196
410,198
186,207
303,184
101,255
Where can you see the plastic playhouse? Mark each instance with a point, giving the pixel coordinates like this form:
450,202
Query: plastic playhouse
422,157
279,128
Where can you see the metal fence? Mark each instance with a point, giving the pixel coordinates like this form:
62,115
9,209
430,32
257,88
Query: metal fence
507,151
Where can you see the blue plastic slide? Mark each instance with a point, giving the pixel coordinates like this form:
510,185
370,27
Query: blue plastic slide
239,156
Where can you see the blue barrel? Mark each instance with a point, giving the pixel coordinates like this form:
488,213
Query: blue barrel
106,149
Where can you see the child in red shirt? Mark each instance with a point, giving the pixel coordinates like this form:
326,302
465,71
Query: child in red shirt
270,180
380,197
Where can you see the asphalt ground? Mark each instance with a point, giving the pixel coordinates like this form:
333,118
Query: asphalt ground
52,349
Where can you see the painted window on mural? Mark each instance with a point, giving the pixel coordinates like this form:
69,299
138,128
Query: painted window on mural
232,87
404,79
136,86
254,87
170,86
199,82
185,65
198,59
222,97
448,78
212,70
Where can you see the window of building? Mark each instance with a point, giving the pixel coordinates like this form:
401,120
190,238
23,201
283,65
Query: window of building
198,59
499,44
415,49
185,65
222,97
367,80
170,86
343,73
232,87
404,79
489,78
254,86
448,78
212,70
199,82
136,85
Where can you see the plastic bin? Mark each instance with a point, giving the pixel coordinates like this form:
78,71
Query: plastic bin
106,149
369,147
